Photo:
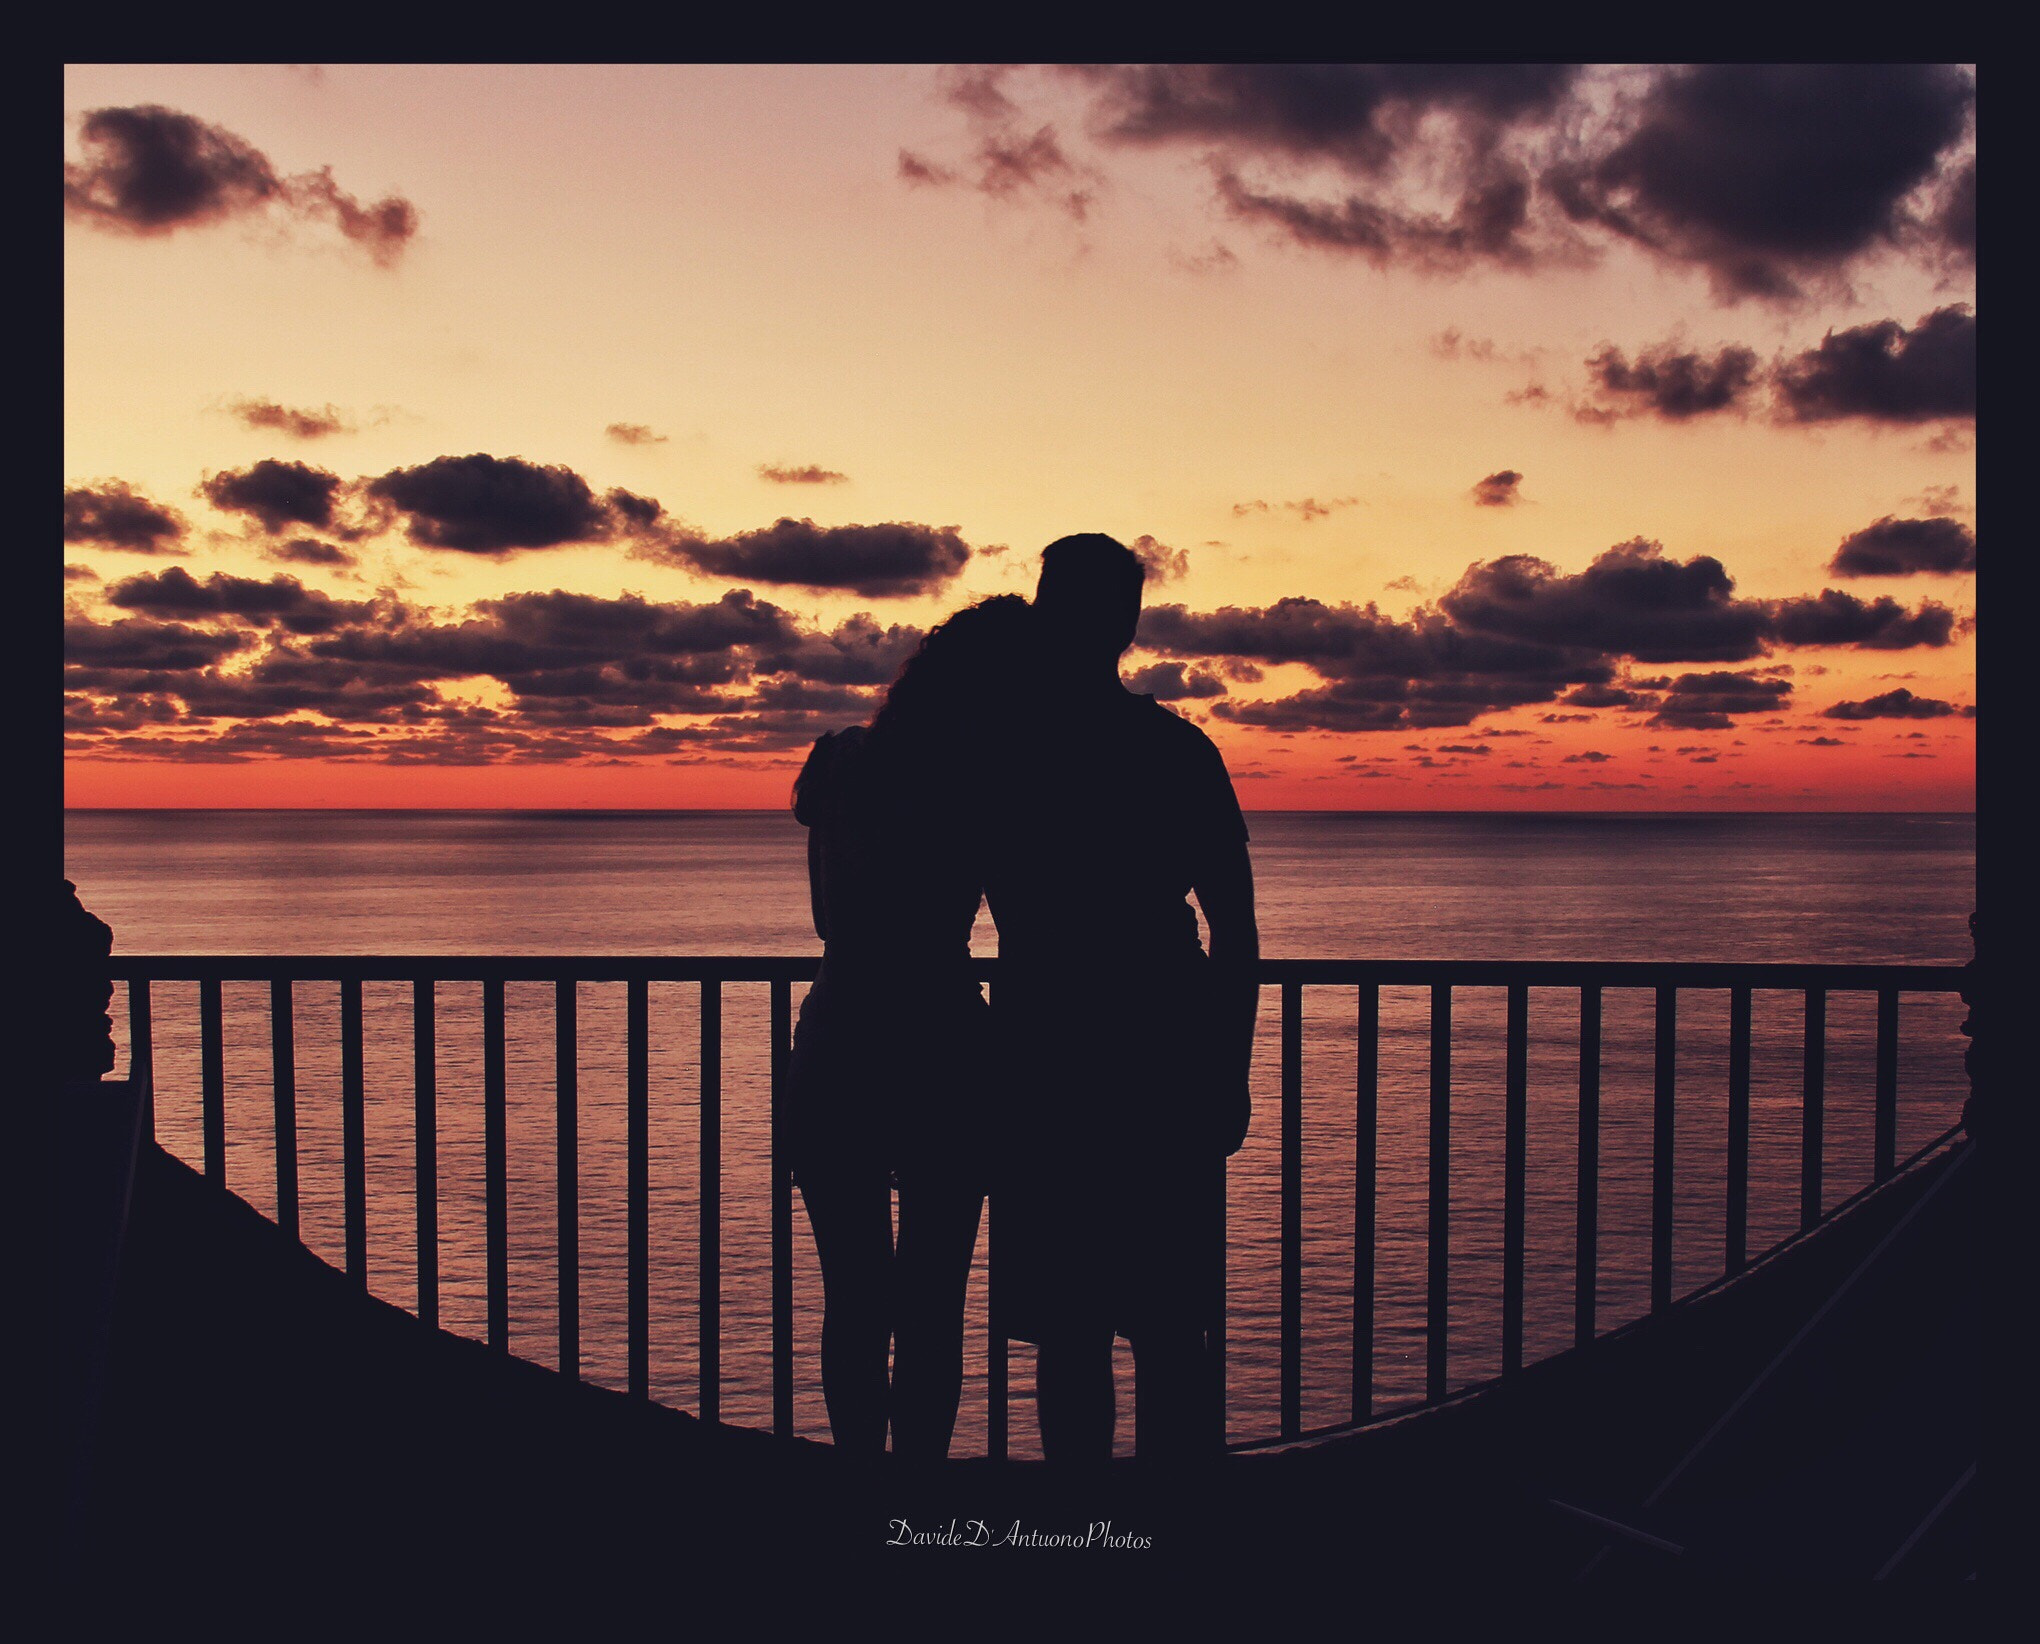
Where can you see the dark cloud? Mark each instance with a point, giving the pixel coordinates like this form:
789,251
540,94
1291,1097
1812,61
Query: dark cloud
282,599
1371,122
1886,373
142,645
633,433
1362,115
481,504
1822,742
876,561
278,494
1669,382
1489,225
112,514
1172,682
1498,490
1608,696
1707,702
1894,704
299,423
308,551
811,474
80,573
577,668
152,170
1892,547
1770,175
1833,617
1630,601
1771,178
856,652
1587,756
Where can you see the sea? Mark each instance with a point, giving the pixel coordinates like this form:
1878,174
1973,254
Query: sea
1832,888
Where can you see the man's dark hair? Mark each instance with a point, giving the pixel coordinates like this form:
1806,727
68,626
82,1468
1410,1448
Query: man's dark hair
1089,592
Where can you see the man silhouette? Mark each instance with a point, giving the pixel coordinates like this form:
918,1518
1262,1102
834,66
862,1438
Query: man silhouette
1126,1044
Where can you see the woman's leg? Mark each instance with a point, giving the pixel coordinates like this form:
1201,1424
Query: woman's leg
851,1214
1074,1397
938,1236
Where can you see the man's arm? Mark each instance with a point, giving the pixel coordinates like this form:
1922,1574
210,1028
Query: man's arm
1224,886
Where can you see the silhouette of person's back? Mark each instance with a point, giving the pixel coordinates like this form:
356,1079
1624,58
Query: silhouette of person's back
1129,1046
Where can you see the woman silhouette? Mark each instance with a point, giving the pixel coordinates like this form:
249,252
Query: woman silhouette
889,1069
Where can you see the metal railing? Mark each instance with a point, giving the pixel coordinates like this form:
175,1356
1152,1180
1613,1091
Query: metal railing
1591,980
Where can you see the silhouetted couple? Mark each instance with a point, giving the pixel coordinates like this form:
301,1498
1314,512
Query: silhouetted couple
1099,1093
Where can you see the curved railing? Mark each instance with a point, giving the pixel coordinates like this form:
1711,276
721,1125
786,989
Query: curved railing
1440,982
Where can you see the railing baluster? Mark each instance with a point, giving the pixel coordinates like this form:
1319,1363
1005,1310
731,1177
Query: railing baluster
782,1217
1515,1150
1365,1119
283,1091
1437,1315
638,1188
1662,1136
998,1410
567,1169
710,1309
1885,1153
424,1152
495,1166
1813,1107
142,1051
1292,1209
1587,1200
351,1122
998,1406
212,1082
1738,1215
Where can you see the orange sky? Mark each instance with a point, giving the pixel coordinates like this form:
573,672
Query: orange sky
990,309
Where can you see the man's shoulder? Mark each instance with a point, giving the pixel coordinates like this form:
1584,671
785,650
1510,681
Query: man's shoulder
1169,728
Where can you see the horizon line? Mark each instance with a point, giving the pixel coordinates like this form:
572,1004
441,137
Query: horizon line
776,810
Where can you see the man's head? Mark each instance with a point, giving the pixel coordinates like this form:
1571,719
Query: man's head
1088,598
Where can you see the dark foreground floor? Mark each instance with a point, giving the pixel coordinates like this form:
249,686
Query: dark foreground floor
271,1440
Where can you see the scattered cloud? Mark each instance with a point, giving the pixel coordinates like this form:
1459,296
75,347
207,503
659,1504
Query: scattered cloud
488,505
1892,547
1668,382
150,170
1893,704
633,433
807,475
1885,373
112,514
301,423
1498,490
279,495
893,560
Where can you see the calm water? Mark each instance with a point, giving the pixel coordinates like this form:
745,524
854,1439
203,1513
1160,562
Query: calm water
1854,889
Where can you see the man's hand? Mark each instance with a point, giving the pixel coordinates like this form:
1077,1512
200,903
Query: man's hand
1225,891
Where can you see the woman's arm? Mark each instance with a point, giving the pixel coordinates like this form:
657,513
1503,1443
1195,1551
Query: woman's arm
817,899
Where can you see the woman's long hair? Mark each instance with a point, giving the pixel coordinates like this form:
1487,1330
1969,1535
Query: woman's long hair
965,679
942,721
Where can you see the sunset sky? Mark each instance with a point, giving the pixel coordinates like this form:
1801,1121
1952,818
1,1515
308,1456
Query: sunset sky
1501,436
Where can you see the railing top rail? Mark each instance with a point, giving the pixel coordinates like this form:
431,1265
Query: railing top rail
1557,973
